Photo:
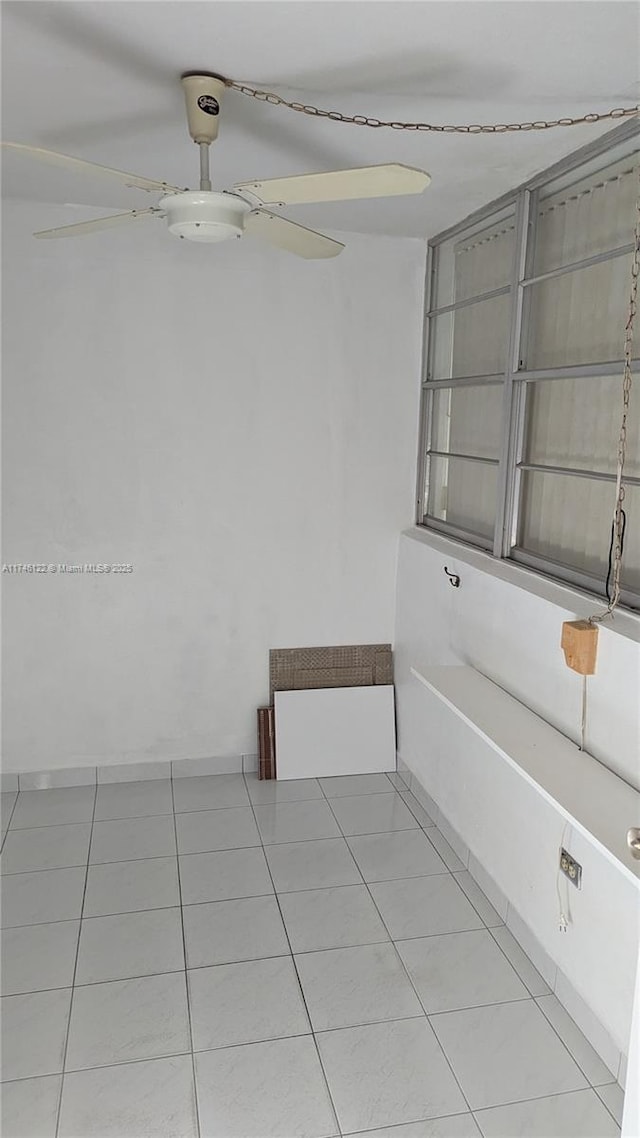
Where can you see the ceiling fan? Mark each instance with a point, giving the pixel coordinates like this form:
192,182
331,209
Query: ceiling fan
208,215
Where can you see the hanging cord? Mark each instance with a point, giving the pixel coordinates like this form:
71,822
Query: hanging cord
583,717
619,516
564,911
474,128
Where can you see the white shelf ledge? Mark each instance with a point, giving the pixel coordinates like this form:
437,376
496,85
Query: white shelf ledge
594,799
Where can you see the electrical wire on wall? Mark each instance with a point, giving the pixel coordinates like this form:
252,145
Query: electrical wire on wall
564,908
618,525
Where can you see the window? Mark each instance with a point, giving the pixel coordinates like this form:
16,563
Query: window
522,395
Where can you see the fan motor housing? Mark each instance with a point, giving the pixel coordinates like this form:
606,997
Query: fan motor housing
202,215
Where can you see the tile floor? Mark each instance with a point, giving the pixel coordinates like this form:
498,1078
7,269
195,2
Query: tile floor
221,957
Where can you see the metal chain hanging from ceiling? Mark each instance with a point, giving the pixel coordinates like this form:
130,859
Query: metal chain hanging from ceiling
619,518
473,128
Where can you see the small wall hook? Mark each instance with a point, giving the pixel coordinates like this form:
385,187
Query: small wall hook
453,578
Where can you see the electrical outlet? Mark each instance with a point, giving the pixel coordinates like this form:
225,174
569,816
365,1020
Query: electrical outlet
571,869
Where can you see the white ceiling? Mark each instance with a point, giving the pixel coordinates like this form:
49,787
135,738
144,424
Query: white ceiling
101,81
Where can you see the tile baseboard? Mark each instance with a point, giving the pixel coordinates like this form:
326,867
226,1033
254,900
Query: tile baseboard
573,1003
109,773
67,776
222,764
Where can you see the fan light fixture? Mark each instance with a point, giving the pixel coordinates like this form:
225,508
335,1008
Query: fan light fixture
205,215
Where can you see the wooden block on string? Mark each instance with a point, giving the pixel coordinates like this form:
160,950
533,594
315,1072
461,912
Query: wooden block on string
580,646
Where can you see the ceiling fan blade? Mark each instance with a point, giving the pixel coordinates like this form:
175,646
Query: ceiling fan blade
78,164
83,227
340,185
289,235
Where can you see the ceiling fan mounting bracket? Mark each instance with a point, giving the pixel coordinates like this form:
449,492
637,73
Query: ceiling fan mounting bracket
203,92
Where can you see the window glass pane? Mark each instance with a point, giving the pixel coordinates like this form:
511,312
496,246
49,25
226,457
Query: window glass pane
472,340
568,520
467,420
576,422
479,261
463,493
579,317
590,216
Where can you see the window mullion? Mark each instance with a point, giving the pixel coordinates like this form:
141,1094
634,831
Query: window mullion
507,473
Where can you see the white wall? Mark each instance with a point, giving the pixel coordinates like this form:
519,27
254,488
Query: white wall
238,424
507,622
512,634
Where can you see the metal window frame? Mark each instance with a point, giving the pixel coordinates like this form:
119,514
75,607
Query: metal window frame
515,378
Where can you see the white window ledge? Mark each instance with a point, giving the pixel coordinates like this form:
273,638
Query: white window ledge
594,799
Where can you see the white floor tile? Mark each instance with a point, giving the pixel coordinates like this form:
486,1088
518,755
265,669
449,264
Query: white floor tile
51,847
331,918
613,1097
205,830
129,886
296,821
53,807
132,838
460,970
270,1090
385,1074
36,957
481,904
423,906
344,987
269,790
404,853
33,1033
341,786
209,792
37,898
246,1003
130,944
587,1059
224,875
133,799
523,966
29,1108
312,865
225,932
372,814
128,1019
453,1126
506,1053
575,1115
127,1101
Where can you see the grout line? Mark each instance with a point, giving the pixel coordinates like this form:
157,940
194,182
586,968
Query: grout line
607,1108
11,813
301,989
184,955
521,978
406,972
566,1045
345,838
75,966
